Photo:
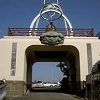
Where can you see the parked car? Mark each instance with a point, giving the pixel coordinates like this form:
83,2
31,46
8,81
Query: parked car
38,84
47,84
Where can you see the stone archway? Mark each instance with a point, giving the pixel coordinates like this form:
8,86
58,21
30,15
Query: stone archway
64,53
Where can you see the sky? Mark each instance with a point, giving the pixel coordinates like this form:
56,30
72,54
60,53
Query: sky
46,72
20,13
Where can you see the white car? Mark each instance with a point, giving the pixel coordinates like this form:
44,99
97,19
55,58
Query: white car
46,84
38,84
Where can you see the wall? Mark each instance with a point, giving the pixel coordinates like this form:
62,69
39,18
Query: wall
24,42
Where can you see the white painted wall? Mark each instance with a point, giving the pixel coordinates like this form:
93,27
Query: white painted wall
25,41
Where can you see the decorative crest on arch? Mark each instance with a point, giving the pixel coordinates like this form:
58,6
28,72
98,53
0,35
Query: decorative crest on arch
51,12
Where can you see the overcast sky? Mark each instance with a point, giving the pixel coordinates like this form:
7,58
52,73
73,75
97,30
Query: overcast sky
20,13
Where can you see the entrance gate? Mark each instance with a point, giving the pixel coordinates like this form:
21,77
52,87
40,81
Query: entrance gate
78,48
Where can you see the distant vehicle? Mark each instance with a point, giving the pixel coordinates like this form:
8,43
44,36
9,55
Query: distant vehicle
47,84
38,84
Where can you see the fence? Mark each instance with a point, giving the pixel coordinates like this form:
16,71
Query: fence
93,88
38,31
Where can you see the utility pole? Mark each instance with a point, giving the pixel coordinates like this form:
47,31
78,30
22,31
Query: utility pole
45,1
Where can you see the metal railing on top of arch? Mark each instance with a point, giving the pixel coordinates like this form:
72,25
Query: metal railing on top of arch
76,32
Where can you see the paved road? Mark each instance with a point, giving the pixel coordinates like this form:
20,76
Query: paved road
46,96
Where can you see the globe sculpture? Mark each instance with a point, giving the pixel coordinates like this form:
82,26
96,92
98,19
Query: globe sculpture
51,37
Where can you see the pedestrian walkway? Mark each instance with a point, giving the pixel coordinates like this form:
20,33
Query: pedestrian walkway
46,96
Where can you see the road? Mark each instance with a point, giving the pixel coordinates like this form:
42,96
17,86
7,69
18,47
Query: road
46,96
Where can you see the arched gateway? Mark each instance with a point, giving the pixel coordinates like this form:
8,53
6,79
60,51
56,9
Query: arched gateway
78,48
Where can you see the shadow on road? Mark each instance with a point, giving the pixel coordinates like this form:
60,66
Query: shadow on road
46,89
